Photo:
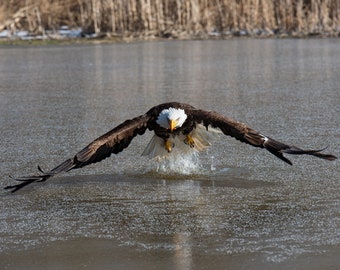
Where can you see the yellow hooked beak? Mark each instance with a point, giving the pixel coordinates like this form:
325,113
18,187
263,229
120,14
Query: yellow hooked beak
173,124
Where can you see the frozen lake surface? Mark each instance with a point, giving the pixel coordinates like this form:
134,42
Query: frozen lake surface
237,206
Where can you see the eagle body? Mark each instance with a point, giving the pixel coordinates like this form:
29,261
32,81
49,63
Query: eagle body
174,125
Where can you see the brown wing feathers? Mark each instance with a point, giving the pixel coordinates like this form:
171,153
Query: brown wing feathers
250,136
229,127
113,141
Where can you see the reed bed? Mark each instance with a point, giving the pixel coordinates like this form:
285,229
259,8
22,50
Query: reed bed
174,18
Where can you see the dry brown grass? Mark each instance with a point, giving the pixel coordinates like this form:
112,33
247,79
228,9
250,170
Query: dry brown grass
174,17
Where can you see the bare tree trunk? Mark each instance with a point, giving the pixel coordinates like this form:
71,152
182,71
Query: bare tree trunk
96,15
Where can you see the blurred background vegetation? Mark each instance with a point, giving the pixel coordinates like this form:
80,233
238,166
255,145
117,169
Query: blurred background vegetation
174,18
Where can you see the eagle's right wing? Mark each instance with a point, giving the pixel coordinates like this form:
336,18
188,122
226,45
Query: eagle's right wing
113,141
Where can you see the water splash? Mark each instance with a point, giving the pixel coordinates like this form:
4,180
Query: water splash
179,163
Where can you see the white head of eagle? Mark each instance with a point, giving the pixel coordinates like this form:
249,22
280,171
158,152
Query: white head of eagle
171,118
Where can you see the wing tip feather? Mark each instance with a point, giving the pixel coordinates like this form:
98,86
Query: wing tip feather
278,149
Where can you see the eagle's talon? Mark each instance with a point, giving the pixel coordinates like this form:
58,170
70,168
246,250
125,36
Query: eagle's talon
189,141
169,145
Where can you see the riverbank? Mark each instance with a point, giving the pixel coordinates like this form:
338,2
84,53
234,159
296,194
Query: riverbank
108,38
103,20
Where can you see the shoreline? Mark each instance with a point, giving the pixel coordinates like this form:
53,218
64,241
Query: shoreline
108,38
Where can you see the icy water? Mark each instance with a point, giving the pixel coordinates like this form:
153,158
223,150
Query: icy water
232,207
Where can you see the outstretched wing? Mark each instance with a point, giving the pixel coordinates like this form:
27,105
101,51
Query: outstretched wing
113,141
250,136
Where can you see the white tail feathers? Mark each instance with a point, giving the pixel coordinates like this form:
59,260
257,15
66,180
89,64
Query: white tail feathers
201,136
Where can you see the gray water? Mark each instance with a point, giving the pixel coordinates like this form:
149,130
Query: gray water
238,207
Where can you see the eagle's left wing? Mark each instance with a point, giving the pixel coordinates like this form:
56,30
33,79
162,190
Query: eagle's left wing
113,141
250,136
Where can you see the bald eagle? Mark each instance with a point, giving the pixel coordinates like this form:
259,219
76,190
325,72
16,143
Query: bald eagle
173,124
